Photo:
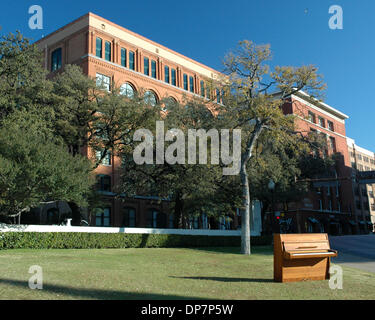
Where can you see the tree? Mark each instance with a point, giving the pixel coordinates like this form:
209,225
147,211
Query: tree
250,107
35,166
289,171
189,187
23,81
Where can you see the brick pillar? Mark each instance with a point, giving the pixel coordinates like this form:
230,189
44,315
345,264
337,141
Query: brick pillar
91,49
139,62
160,69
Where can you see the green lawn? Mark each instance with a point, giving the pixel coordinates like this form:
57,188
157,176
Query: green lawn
219,273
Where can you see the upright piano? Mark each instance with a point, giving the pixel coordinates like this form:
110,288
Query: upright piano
299,257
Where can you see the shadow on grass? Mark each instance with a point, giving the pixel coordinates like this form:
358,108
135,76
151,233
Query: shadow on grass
82,294
222,279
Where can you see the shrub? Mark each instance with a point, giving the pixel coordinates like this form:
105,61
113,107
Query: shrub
72,240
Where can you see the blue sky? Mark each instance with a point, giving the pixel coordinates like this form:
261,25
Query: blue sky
206,30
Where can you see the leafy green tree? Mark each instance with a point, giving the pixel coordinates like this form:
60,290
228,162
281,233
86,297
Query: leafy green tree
189,187
35,166
23,82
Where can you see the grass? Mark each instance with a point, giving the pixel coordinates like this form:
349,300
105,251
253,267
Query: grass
215,273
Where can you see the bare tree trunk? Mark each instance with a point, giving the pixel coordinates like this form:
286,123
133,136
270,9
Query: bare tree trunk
246,199
245,215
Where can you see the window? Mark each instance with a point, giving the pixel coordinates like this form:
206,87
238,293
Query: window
320,205
322,122
56,60
330,125
106,160
353,165
194,223
99,47
204,221
104,183
185,82
152,218
218,96
103,81
103,217
332,144
311,117
352,154
123,57
359,157
191,82
129,218
131,60
108,51
127,90
173,74
153,69
365,159
146,67
166,74
203,93
150,98
170,101
328,191
224,223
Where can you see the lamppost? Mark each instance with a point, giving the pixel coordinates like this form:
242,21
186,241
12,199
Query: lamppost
271,187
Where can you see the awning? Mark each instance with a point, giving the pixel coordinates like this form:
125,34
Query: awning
352,222
313,220
361,222
369,222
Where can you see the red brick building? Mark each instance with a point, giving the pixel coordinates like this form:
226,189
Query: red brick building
329,206
115,55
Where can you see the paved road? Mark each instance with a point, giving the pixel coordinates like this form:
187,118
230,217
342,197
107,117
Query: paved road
355,251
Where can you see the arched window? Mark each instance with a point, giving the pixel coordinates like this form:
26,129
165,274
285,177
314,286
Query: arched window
127,90
169,102
129,218
150,98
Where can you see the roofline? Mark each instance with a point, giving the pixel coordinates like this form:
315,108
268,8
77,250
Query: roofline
351,143
326,106
90,14
316,102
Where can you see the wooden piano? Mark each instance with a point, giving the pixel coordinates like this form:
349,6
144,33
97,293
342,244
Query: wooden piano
299,257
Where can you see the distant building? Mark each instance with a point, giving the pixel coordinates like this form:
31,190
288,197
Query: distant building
363,160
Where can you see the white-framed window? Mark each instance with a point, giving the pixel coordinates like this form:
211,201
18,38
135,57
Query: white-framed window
103,81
